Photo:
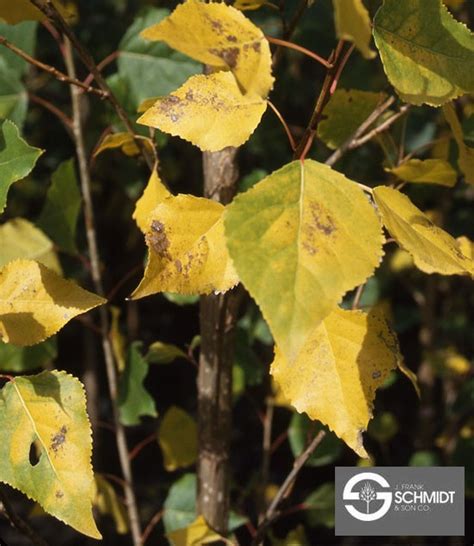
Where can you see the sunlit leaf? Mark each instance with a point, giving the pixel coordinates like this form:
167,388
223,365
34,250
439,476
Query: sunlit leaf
427,55
426,171
35,302
209,111
195,534
108,503
187,251
433,250
221,37
345,111
24,359
21,239
17,159
48,411
299,240
466,153
177,437
61,210
338,371
155,193
466,246
353,24
134,400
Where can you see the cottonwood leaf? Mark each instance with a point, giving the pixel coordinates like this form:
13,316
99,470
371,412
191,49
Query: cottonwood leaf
35,302
336,375
426,171
433,250
427,55
126,143
48,411
221,37
62,206
21,239
13,96
154,193
299,240
17,159
466,246
163,353
177,437
209,111
345,111
24,359
195,534
134,400
187,253
466,153
108,503
23,10
353,24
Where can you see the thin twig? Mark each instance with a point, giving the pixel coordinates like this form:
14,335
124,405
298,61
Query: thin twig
48,8
151,525
103,63
285,125
65,120
289,29
347,145
143,443
103,313
271,513
358,296
19,523
267,453
51,69
380,128
301,49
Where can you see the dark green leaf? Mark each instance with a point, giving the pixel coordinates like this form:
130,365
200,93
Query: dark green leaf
321,506
24,359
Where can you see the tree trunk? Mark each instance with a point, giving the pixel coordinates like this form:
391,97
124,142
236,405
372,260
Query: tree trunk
218,314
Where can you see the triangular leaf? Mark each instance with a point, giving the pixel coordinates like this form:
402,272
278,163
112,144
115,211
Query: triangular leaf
48,410
177,437
335,376
195,534
61,210
155,193
17,159
466,153
426,171
35,302
134,399
209,111
221,37
299,240
353,24
433,250
427,55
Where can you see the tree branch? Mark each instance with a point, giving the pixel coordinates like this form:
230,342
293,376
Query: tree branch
103,313
48,8
51,70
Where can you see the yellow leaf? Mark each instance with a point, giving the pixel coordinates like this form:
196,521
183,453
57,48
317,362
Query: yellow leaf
21,239
466,154
244,5
117,338
154,194
196,534
16,11
299,240
48,410
145,104
177,437
426,171
433,250
187,250
340,367
400,260
221,37
35,302
125,142
108,503
466,246
208,110
353,23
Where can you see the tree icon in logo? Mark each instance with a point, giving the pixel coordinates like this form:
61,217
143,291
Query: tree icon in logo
367,494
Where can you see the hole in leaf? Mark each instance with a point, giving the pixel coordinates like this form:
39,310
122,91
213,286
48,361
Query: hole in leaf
34,455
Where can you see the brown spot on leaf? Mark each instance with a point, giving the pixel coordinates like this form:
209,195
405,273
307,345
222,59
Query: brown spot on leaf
232,38
178,266
58,439
59,494
158,239
321,219
256,47
229,55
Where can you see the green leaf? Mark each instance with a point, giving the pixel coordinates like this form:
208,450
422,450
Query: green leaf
345,111
60,212
134,399
48,411
300,239
24,359
427,55
17,159
13,96
181,299
426,171
151,68
23,35
424,458
321,506
301,429
177,437
163,353
383,427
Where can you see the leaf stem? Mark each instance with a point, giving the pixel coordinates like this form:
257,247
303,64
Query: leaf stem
285,125
301,49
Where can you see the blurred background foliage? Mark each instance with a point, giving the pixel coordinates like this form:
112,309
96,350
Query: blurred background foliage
156,339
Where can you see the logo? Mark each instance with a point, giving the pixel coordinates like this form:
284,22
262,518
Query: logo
364,488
